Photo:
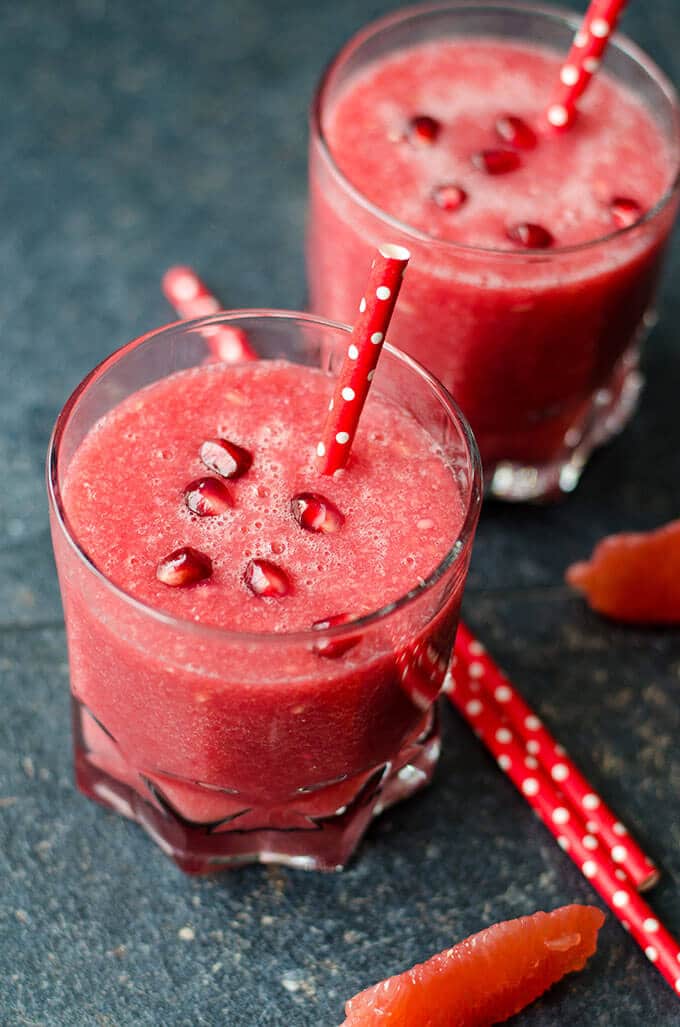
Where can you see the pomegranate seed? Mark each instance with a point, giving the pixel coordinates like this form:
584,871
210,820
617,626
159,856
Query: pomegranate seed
316,513
449,197
184,567
208,497
265,578
532,237
625,211
423,130
331,648
496,162
515,132
226,458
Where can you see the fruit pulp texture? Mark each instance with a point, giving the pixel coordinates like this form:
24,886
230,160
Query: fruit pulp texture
251,721
523,341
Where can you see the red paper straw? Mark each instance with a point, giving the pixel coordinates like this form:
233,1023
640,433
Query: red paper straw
583,61
583,848
356,373
624,850
190,297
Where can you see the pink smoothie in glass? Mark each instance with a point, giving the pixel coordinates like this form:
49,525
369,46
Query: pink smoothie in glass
195,736
521,330
125,498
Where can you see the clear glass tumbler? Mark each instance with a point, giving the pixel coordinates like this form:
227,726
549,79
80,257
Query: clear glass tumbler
229,747
540,348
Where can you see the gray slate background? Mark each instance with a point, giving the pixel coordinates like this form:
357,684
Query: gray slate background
138,134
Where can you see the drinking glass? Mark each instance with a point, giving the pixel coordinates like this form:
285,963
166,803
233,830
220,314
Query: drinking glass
540,348
232,747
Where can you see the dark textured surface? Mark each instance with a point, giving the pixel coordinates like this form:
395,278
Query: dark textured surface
134,135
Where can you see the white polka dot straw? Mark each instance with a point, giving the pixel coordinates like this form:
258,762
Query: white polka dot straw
583,60
568,828
375,311
600,28
619,853
191,298
558,115
473,662
569,74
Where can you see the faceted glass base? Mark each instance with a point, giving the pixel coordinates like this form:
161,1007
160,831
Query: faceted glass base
611,408
204,828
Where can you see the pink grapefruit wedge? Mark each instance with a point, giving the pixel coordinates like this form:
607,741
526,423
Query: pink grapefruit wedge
634,577
485,979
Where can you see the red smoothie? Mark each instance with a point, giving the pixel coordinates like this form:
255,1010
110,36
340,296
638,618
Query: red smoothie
125,497
208,707
505,301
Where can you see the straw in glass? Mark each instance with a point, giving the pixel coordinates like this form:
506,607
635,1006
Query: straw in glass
583,61
365,345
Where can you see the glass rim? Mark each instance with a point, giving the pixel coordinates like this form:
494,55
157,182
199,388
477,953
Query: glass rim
309,636
562,15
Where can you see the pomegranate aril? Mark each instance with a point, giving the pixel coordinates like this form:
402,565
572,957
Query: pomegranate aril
532,237
226,458
515,132
449,197
265,578
314,512
208,497
182,567
496,162
331,648
625,211
423,130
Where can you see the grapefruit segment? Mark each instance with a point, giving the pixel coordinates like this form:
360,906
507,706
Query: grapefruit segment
485,979
633,577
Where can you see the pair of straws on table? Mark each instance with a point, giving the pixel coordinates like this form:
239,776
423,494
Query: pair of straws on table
583,826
